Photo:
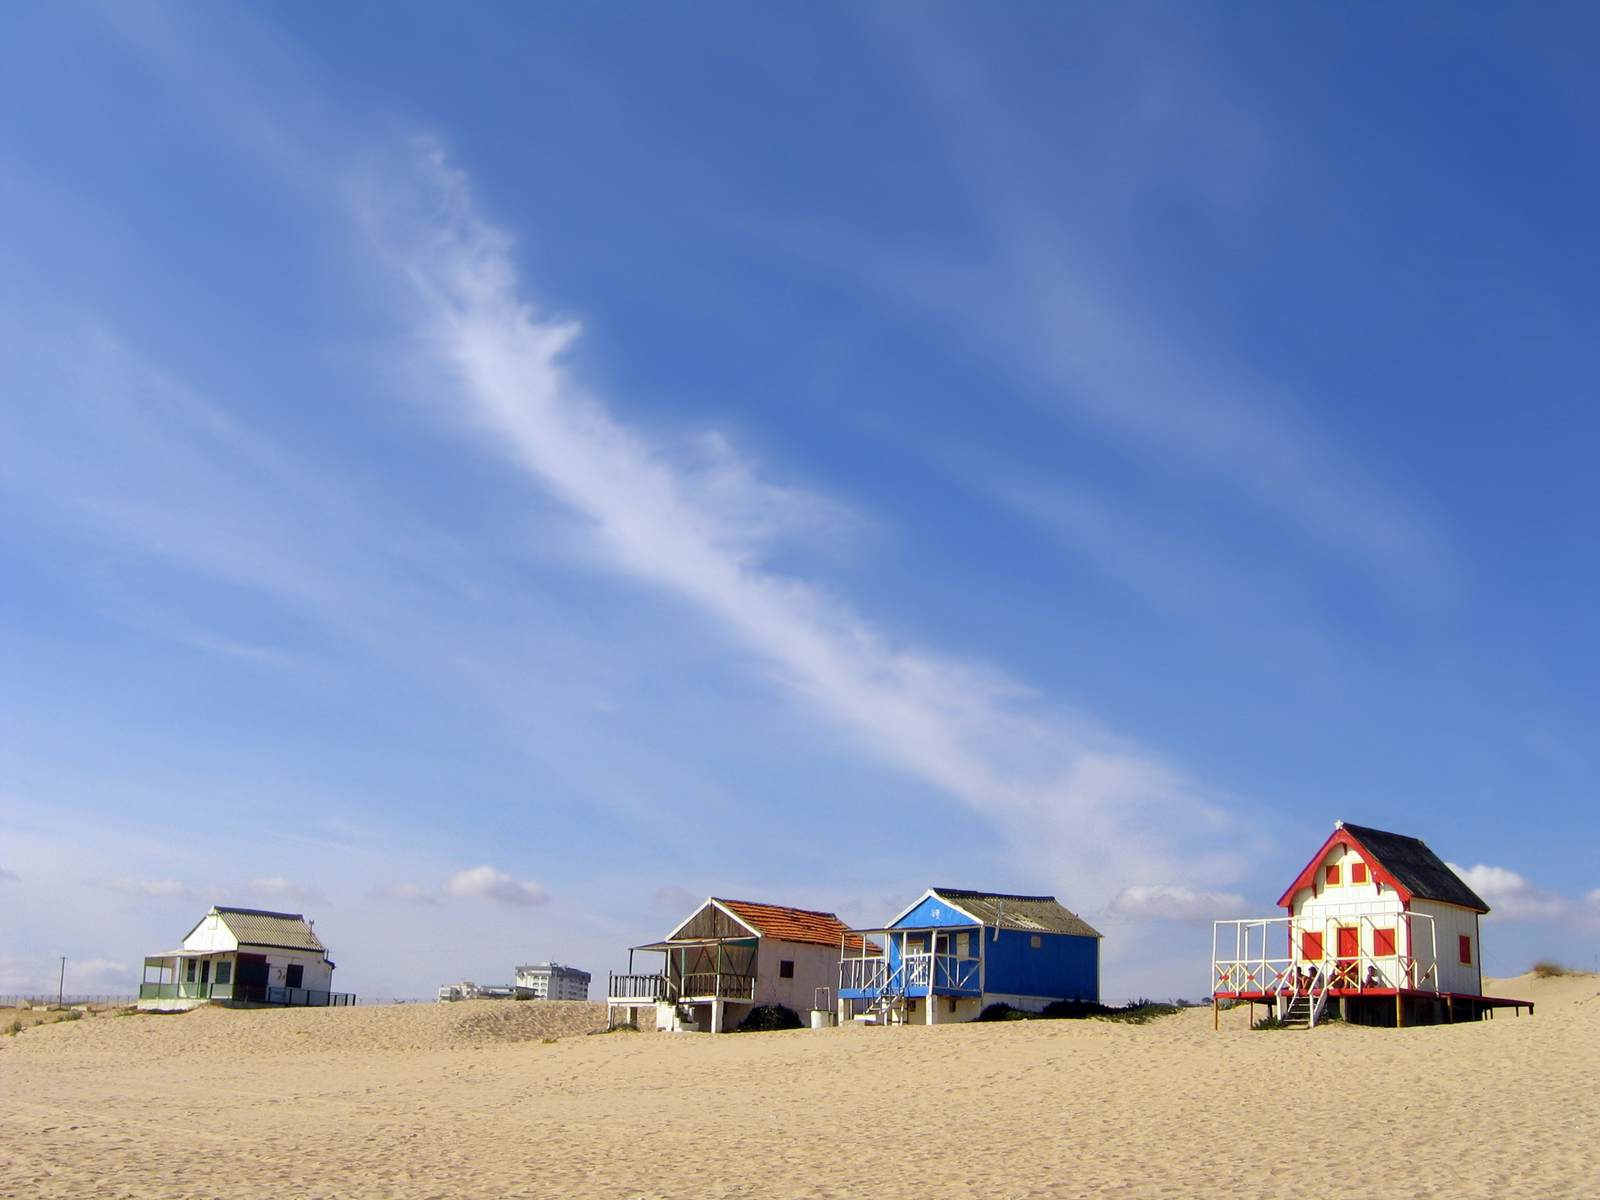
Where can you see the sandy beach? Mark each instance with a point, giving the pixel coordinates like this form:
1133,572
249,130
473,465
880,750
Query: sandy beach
472,1100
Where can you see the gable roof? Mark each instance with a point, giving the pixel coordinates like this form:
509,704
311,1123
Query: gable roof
1001,910
258,927
1405,863
788,924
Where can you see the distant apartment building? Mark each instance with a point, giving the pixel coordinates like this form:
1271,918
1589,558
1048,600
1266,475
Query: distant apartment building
552,981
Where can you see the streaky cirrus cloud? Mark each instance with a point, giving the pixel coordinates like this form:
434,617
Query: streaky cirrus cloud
1169,902
492,884
1078,798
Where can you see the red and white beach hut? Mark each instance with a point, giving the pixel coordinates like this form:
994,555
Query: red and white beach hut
1378,929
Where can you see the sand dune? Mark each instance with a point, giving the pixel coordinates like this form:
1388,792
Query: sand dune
469,1100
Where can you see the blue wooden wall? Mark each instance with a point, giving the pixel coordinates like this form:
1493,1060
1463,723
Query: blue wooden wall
1064,967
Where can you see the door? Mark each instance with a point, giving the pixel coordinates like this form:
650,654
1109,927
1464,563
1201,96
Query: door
294,975
1349,946
250,981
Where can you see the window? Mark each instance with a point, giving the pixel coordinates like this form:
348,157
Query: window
786,968
1466,949
1330,875
963,945
1383,943
189,971
294,976
1358,872
1311,947
224,972
1035,942
952,1003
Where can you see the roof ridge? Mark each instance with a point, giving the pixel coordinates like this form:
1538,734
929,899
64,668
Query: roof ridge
944,891
259,912
815,912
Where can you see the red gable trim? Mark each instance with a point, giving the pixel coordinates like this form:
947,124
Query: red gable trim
1341,837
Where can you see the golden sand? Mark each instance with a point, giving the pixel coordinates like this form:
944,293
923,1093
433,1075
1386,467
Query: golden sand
469,1100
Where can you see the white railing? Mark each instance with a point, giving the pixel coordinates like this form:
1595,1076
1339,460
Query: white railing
651,988
717,986
1319,997
911,974
864,974
1268,956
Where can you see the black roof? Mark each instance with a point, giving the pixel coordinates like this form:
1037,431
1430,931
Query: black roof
1419,870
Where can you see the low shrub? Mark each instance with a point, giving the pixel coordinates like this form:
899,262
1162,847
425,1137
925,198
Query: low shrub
1137,1012
1001,1011
765,1018
1140,1012
1545,969
1074,1010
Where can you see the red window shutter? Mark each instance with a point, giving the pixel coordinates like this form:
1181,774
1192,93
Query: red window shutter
1383,942
1466,949
1358,872
1330,876
1349,941
1311,947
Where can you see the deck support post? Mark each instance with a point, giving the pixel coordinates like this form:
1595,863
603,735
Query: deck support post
1216,1011
1399,1010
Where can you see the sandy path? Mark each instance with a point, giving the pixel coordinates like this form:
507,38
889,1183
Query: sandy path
373,1103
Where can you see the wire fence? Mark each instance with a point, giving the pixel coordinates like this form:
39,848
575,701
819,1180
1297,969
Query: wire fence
68,998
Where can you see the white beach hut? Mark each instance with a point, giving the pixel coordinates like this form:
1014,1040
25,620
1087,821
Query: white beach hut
244,957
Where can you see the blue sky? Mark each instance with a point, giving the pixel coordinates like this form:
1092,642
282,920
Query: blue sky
488,479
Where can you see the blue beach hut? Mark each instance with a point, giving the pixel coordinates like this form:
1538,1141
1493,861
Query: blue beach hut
953,952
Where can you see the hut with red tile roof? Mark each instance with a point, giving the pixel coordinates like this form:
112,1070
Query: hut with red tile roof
730,956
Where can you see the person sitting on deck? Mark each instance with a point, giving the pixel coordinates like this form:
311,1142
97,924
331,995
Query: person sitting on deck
1373,980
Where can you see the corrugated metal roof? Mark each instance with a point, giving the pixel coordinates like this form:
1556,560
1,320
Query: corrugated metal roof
789,924
1039,914
1422,872
257,927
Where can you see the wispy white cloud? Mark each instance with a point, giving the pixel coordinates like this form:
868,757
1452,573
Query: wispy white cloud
91,974
155,889
276,888
1511,895
405,893
6,875
1169,902
493,884
1085,798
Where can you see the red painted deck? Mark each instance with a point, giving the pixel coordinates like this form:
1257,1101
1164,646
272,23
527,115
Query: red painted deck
1358,993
